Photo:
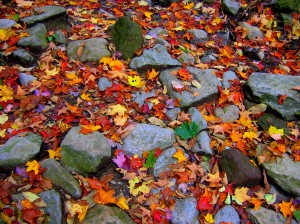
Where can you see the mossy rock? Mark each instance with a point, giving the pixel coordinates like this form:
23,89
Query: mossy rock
266,120
288,5
127,36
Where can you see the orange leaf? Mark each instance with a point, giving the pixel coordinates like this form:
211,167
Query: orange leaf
105,197
236,136
285,208
184,74
256,202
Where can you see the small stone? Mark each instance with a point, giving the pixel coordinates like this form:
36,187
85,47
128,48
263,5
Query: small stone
185,211
227,77
197,117
158,31
141,96
186,59
104,83
173,113
229,113
227,214
199,35
26,79
253,31
24,57
203,144
61,38
7,23
231,6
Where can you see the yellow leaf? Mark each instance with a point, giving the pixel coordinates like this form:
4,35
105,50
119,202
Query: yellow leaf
240,194
122,203
120,120
2,133
76,208
86,96
136,81
275,133
142,188
5,34
250,134
33,166
94,20
3,118
285,208
106,60
82,212
105,197
209,218
148,14
54,153
5,218
52,72
116,109
6,93
91,127
152,74
179,155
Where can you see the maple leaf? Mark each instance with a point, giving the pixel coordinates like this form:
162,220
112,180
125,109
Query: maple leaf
240,195
122,203
214,177
285,208
152,74
33,166
54,153
256,202
136,81
120,160
77,208
203,204
105,197
3,118
186,130
6,93
86,96
151,159
179,155
184,74
30,215
142,188
236,136
116,109
5,34
250,135
275,133
89,128
209,218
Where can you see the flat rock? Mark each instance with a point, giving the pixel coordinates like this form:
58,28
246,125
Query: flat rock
229,113
239,169
104,83
26,79
266,88
106,214
156,57
92,49
19,149
231,6
54,206
285,174
24,56
84,153
197,117
208,91
266,216
7,23
146,137
43,13
253,31
202,145
185,211
127,36
227,214
227,77
60,177
37,40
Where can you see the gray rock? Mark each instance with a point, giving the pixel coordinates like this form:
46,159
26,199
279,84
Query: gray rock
43,13
227,77
239,169
208,91
266,216
197,117
84,153
231,6
203,144
253,31
173,113
106,214
229,113
266,88
104,83
163,42
37,40
54,206
156,57
146,137
199,35
25,57
61,38
140,97
127,36
280,194
164,160
60,177
285,174
19,149
7,23
92,49
158,31
185,211
185,58
26,79
227,214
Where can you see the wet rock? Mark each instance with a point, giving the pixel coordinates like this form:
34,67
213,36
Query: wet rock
25,57
227,214
231,6
239,169
197,117
44,13
266,216
104,83
37,40
146,137
106,214
229,113
54,206
7,23
203,144
156,57
140,97
208,91
186,59
285,174
84,153
26,79
173,113
60,177
253,31
227,77
19,149
165,159
92,49
60,37
266,88
127,36
266,120
185,211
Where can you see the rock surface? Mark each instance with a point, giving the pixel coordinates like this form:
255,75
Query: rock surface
227,77
146,137
239,169
92,49
7,23
19,149
266,88
185,211
266,120
227,214
229,113
84,153
203,144
24,56
231,6
208,91
197,117
104,83
54,206
26,79
253,31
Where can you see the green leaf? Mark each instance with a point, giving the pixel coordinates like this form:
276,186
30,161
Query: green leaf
50,38
150,161
1,82
30,196
270,198
297,214
186,130
55,35
16,17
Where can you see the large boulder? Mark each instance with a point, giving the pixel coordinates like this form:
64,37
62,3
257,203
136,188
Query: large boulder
82,153
19,149
285,174
146,137
207,92
185,211
267,88
92,49
156,57
127,36
239,169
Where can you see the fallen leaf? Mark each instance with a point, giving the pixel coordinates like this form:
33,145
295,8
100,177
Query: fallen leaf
179,155
285,208
33,166
276,133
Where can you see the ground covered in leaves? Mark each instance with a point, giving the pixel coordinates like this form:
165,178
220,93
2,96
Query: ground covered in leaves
66,95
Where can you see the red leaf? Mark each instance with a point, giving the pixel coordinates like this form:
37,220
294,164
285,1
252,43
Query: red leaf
203,204
281,99
95,183
30,214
